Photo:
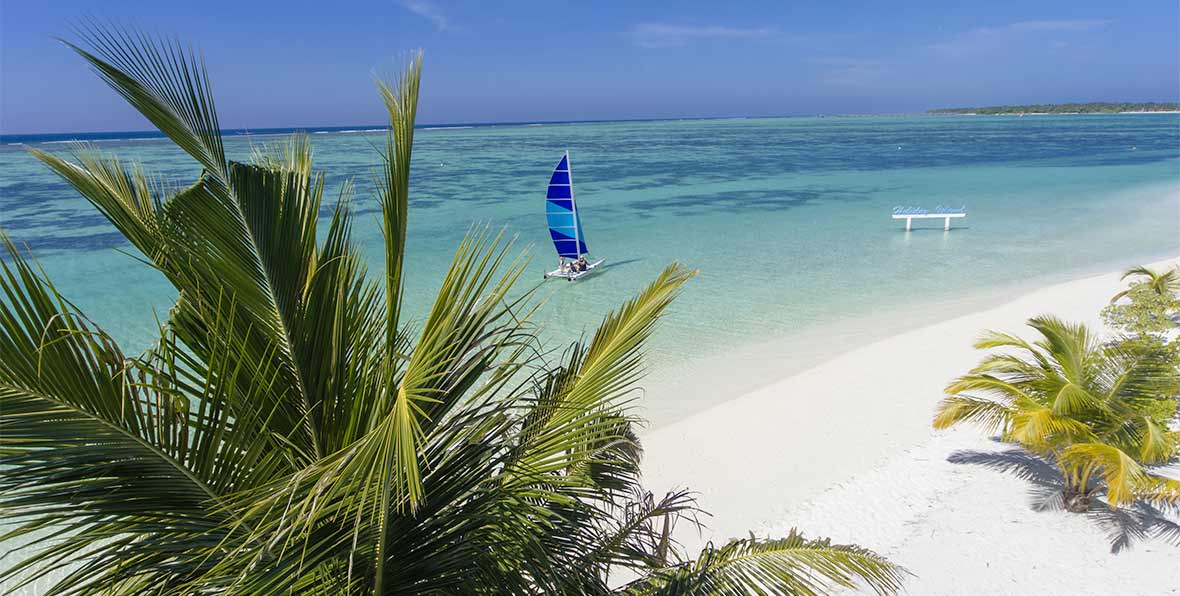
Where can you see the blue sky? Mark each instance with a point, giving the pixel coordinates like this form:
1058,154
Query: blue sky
280,63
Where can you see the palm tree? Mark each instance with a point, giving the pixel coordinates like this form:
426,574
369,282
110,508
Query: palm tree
289,432
1093,410
1162,283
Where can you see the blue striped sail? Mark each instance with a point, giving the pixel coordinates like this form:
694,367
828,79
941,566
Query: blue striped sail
565,227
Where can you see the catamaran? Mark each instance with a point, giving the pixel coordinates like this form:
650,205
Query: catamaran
565,226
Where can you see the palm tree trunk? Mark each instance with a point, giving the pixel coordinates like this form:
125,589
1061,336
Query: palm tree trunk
1076,498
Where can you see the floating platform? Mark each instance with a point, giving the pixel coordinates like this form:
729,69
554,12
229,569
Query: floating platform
909,215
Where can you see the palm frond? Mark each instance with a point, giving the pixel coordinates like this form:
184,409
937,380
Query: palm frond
356,495
989,415
141,464
640,537
165,82
997,339
1164,491
340,335
1069,345
989,385
1041,429
794,566
1120,295
121,193
1072,398
1160,282
393,183
213,242
566,426
1156,443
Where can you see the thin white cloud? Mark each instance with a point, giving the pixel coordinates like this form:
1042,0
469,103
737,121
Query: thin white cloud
851,72
661,35
428,11
1077,25
985,39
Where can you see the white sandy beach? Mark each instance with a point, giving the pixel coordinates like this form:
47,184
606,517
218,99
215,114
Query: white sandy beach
845,450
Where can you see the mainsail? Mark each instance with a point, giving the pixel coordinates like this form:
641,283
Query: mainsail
565,227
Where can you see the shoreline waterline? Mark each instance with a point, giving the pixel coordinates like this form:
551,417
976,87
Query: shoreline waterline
816,445
678,389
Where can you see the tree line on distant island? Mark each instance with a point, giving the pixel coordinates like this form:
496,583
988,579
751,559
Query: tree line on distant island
1065,108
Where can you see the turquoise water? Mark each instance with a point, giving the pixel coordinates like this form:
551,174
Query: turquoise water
787,221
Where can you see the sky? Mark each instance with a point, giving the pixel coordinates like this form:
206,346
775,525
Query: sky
290,63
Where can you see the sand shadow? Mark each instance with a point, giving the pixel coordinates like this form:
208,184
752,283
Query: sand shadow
1140,521
1123,526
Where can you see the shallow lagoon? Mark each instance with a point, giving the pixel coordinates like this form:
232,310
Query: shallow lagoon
787,220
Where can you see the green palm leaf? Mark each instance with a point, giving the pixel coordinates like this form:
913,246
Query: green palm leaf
393,183
565,426
1159,282
167,84
792,566
117,438
989,415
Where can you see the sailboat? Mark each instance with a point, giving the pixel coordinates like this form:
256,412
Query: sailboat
565,225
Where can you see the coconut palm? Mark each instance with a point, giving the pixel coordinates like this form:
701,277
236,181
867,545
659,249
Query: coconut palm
1151,308
1162,283
1091,409
289,432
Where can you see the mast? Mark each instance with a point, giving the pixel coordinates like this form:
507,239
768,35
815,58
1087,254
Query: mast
569,166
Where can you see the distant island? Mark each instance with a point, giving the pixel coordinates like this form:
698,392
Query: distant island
1065,108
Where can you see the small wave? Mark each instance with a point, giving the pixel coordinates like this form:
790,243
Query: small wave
445,127
257,135
352,131
92,141
536,124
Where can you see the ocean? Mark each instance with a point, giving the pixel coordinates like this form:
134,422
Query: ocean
786,220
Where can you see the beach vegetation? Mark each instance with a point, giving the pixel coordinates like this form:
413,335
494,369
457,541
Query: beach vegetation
1160,282
1066,108
290,431
1093,409
1149,306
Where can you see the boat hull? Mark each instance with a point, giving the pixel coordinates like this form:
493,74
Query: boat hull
573,275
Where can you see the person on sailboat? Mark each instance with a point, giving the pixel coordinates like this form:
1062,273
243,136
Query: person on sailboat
582,265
